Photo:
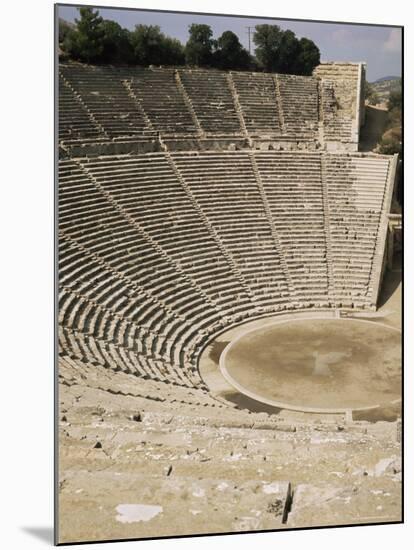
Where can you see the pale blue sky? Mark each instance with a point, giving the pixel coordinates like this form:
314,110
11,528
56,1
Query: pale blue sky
379,47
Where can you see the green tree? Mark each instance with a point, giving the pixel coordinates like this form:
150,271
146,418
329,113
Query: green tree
267,39
86,41
370,94
116,43
288,54
394,105
96,40
309,56
173,52
229,53
151,47
199,47
395,99
281,52
391,141
64,29
148,45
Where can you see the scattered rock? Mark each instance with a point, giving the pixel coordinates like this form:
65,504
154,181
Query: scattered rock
275,507
383,466
130,513
394,467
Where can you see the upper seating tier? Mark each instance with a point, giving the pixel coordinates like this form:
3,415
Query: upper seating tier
129,104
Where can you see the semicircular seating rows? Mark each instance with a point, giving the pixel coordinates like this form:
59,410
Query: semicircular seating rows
159,252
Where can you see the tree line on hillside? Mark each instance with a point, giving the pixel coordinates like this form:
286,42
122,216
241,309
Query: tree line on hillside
391,141
99,41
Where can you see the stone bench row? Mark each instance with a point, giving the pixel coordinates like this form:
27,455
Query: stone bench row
184,101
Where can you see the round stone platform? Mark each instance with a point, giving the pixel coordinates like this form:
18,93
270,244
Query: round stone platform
317,365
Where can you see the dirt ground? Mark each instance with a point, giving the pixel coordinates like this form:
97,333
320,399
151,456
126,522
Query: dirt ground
316,363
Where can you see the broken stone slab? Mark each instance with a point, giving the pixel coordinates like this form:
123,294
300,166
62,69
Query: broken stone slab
368,501
274,426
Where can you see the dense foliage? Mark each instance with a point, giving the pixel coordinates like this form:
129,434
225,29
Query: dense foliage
199,48
370,94
281,52
97,40
391,141
86,41
151,47
230,54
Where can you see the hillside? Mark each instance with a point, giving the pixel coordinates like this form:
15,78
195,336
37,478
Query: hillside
383,86
384,78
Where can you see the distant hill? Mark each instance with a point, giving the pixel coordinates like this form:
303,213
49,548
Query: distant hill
383,78
383,86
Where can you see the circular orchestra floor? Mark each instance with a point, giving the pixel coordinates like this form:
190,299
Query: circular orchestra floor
317,365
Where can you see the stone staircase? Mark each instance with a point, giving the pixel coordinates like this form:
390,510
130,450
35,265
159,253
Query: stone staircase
273,230
238,107
138,104
279,103
329,261
234,269
101,132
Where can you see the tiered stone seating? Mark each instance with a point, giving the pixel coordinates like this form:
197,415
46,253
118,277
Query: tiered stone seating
344,78
106,98
258,100
75,123
356,190
293,189
225,187
158,252
130,104
337,124
147,190
107,280
299,101
111,241
341,100
211,98
162,101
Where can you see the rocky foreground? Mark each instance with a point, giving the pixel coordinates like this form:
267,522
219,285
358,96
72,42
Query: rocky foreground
135,462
